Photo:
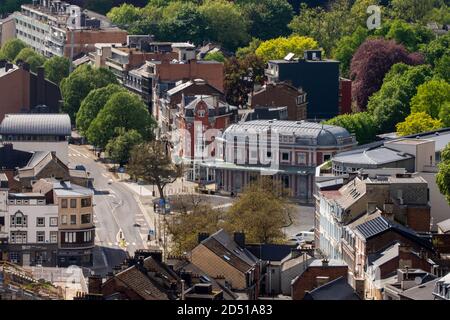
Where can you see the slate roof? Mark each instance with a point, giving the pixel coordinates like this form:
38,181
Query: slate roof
423,291
226,248
36,124
270,252
338,289
11,158
444,225
379,225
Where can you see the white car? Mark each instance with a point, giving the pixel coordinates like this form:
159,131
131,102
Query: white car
305,236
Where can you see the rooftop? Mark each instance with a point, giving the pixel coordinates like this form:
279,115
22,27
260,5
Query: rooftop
36,124
444,225
338,289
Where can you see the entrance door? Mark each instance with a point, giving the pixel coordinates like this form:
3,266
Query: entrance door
26,259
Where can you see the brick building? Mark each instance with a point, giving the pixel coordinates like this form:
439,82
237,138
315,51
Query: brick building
22,90
318,273
281,95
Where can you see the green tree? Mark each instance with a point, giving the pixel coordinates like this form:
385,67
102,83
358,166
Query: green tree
431,97
442,68
12,48
440,15
122,110
151,163
226,23
215,56
418,122
443,176
124,15
391,104
119,148
412,10
436,49
24,54
261,212
35,61
278,48
79,83
267,18
410,35
347,46
9,6
57,68
93,103
249,49
361,124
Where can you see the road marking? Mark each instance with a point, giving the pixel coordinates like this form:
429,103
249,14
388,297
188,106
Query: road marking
105,175
134,243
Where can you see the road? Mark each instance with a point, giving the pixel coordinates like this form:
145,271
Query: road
120,224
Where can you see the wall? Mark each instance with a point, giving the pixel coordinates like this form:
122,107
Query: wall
307,280
14,92
7,30
90,38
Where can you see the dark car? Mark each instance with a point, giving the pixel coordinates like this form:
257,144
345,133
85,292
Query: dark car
80,167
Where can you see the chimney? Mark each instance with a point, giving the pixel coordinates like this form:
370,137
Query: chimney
95,284
40,85
239,238
202,236
2,63
8,66
325,262
25,66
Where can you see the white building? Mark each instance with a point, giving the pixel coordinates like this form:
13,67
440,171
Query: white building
38,132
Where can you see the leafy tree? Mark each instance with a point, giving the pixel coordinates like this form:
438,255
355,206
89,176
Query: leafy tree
444,115
371,62
391,104
193,215
442,68
326,26
240,77
122,110
181,21
119,148
215,56
412,10
443,176
35,61
93,103
408,34
361,124
249,49
151,163
12,48
226,23
436,49
24,54
418,122
125,15
57,68
260,212
440,15
346,47
267,18
9,6
278,48
431,97
79,83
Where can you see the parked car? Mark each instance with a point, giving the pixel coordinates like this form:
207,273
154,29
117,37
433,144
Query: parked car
80,167
305,237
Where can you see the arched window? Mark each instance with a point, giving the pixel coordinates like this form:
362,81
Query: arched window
19,219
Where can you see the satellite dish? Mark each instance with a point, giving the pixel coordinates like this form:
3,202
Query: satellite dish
418,280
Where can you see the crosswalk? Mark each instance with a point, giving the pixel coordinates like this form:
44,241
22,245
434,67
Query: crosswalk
78,155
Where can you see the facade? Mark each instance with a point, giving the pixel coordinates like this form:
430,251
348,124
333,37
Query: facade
170,101
220,255
196,115
345,96
402,197
38,132
273,95
301,147
7,30
319,78
55,28
418,154
22,90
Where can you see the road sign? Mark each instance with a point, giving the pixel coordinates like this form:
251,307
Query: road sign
121,170
151,231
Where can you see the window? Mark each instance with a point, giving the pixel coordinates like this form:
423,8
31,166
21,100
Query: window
326,157
286,182
19,220
14,257
40,236
70,237
18,237
53,236
87,236
63,203
73,219
269,154
64,219
53,222
73,203
85,202
285,156
40,222
301,158
85,218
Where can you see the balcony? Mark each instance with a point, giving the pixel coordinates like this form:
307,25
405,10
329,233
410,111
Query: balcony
78,246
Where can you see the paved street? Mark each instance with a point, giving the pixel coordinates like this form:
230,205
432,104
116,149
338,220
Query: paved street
117,214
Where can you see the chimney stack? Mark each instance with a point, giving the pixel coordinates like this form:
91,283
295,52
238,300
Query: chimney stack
95,284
